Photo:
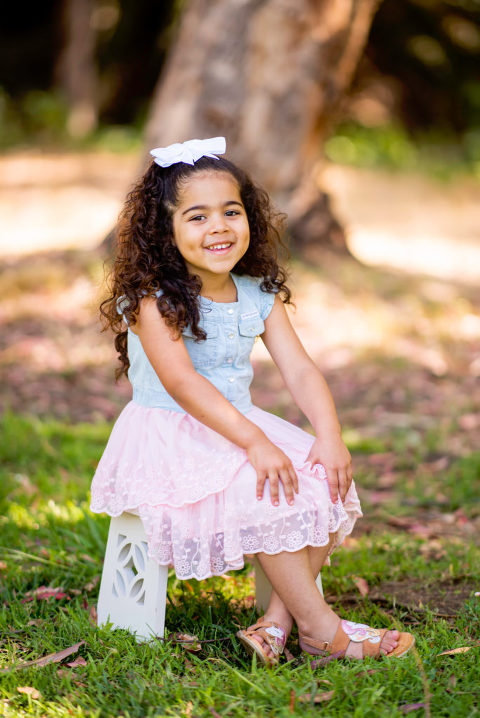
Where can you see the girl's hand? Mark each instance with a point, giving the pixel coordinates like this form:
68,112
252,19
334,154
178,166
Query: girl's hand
336,459
271,463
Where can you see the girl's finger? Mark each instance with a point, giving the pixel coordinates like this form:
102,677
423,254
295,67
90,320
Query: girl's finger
342,483
312,459
332,479
273,481
349,475
294,477
287,486
261,478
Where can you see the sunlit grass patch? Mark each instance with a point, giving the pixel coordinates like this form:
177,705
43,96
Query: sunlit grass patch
40,459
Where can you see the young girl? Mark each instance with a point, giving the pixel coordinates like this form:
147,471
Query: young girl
196,279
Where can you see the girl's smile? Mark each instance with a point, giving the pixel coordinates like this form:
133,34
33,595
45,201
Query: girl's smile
210,225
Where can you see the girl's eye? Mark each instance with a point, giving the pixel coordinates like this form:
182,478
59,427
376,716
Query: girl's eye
197,218
231,212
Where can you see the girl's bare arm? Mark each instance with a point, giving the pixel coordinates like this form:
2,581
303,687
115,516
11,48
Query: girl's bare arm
194,393
312,395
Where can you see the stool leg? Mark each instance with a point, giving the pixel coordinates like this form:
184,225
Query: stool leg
133,589
263,587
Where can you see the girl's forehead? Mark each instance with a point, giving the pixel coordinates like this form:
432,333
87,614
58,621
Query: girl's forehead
210,183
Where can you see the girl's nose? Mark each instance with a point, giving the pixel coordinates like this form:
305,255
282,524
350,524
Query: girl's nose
218,224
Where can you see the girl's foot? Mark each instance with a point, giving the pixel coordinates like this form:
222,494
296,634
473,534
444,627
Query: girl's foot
356,640
267,638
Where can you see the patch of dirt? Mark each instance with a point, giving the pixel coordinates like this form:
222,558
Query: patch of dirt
445,598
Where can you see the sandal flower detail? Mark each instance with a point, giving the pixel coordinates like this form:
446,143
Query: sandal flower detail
273,634
359,632
347,631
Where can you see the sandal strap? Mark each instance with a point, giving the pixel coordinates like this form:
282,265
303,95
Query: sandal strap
370,638
340,640
271,632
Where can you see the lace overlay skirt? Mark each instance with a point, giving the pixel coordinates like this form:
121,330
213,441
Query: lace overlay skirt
195,492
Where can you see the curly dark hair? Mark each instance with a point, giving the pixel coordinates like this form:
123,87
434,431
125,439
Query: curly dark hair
147,259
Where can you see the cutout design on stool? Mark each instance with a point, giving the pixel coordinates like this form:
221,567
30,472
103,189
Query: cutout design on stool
129,581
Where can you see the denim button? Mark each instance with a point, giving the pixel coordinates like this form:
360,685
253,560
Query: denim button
231,335
231,379
229,311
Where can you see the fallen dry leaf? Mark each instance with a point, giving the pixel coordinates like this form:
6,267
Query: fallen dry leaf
452,683
419,529
411,707
92,584
92,615
460,649
188,642
62,673
51,658
43,593
362,585
318,698
29,691
80,661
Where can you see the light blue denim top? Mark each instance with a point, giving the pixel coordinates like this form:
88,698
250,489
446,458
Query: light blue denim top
223,357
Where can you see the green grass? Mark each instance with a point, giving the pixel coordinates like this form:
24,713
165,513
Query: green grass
390,146
50,538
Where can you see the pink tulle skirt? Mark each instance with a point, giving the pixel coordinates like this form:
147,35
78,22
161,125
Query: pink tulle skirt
195,492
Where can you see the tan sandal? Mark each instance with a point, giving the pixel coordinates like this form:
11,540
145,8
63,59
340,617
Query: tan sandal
370,638
272,633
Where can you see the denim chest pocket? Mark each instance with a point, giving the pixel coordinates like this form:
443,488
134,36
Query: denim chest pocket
249,328
203,353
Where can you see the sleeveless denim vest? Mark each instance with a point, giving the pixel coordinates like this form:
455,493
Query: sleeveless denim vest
223,357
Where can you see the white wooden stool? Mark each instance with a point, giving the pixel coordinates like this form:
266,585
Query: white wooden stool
133,589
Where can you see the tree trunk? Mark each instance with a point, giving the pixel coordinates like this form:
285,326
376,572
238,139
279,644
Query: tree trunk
76,68
267,74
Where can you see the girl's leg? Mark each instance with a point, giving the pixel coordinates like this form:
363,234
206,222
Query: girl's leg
277,610
292,578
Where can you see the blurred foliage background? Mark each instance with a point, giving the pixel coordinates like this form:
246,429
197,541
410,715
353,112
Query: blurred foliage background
414,102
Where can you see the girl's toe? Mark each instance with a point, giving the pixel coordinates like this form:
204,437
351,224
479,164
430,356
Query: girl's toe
389,642
265,647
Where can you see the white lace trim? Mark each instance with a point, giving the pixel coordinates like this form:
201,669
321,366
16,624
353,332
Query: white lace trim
213,554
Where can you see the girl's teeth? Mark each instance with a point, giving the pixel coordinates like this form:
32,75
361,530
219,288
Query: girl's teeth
219,246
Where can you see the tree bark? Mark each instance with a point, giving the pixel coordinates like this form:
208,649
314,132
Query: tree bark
267,74
76,69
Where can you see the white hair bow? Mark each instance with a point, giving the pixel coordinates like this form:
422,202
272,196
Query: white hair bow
189,152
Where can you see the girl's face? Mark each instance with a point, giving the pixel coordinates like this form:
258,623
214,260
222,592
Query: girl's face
210,224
